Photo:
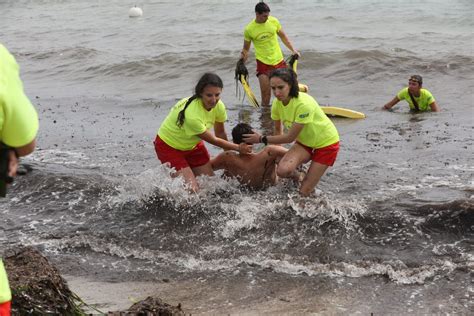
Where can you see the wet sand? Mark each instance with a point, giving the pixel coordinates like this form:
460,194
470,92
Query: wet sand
273,294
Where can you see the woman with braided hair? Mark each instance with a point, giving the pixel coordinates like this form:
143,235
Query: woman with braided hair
179,141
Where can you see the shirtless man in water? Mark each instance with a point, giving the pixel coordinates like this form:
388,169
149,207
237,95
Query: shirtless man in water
255,170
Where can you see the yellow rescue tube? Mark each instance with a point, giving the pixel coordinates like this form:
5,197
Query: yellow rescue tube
303,87
336,111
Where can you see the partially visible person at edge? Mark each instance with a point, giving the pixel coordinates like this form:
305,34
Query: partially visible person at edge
179,141
419,99
18,129
262,32
317,139
253,170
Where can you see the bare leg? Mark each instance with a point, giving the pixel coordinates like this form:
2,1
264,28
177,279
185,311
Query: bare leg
265,90
315,172
190,175
296,156
204,169
189,178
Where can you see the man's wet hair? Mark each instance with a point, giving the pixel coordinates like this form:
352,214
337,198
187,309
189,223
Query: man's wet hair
262,7
416,78
239,130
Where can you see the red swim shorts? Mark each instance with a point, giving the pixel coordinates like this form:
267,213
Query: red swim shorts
179,159
5,308
264,69
325,156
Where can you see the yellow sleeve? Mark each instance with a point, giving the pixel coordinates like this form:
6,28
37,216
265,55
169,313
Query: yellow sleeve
20,120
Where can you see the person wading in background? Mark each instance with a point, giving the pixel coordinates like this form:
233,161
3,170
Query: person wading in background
419,99
263,32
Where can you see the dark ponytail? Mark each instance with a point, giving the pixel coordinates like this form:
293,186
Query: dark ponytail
208,78
181,116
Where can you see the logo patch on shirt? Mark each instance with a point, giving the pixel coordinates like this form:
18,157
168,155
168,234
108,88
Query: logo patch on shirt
264,36
301,116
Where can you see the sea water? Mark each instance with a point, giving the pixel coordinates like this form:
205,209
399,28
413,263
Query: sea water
389,229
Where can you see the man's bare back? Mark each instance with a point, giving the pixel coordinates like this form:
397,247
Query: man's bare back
255,170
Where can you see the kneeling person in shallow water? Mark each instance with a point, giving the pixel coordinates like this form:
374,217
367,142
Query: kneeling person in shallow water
419,100
317,139
179,142
255,170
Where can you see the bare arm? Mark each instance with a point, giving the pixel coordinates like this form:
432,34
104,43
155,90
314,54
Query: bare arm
287,42
276,139
20,151
390,104
286,138
219,130
224,144
434,107
244,54
220,161
276,152
27,149
12,163
278,130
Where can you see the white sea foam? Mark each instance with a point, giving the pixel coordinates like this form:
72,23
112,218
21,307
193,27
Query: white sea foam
156,181
396,270
328,208
246,215
451,181
63,157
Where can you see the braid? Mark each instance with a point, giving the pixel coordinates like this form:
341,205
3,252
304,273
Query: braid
181,115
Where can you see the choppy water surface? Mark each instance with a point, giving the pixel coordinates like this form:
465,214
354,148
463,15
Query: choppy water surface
391,227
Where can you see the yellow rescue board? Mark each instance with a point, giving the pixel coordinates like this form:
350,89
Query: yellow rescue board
335,111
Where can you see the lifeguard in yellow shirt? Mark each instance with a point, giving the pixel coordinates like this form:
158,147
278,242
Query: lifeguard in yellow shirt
18,129
263,32
179,141
419,99
315,136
